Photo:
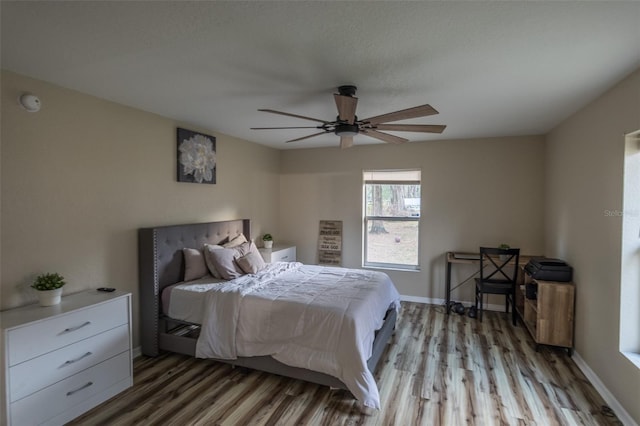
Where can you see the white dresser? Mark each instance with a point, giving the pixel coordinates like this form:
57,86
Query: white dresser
279,253
60,361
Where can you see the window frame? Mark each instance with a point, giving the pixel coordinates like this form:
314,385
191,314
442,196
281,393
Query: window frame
629,330
368,218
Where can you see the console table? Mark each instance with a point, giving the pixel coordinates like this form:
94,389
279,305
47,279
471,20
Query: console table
455,257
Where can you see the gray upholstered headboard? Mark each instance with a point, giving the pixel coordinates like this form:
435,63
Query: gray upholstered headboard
161,263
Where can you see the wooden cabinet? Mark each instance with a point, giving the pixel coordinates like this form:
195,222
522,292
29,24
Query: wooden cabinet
279,253
550,316
60,361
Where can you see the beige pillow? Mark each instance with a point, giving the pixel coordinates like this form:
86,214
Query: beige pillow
235,242
207,258
224,261
251,262
194,264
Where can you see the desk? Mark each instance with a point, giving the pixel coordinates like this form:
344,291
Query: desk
469,259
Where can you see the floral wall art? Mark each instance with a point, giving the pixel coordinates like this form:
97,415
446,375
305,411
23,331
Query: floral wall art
196,157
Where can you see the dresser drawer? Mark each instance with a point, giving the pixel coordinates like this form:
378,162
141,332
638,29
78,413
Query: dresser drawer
63,330
37,373
58,398
284,255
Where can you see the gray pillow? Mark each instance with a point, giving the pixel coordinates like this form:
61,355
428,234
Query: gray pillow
207,259
224,260
235,242
194,264
251,262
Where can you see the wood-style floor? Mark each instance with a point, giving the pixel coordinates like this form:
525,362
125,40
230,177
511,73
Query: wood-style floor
437,370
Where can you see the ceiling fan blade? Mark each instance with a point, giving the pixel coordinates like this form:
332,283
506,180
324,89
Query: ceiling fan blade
419,111
270,128
307,137
273,111
346,142
383,136
346,107
423,128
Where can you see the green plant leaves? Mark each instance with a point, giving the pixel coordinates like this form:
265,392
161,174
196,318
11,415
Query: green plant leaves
50,281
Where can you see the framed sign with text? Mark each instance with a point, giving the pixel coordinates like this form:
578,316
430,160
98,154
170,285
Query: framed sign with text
330,243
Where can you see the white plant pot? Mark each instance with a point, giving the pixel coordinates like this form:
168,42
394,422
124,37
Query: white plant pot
49,297
268,244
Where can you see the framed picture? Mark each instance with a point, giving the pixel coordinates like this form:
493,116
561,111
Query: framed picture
196,157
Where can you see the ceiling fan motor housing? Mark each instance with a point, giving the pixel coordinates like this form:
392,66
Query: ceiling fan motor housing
347,129
347,90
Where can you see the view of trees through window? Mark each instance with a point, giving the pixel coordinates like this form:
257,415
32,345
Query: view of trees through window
392,213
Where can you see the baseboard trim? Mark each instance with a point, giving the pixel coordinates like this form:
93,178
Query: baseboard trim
425,300
430,301
136,352
608,397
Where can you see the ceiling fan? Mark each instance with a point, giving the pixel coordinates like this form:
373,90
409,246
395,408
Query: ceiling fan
347,125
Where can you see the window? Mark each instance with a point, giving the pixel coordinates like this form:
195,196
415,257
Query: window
630,260
391,218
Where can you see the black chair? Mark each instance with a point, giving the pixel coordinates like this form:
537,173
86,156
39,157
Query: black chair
498,275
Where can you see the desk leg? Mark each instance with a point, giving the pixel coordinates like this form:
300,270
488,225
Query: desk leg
448,285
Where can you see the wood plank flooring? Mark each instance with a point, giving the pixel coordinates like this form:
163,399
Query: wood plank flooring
437,370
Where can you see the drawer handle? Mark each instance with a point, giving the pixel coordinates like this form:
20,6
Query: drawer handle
71,361
70,329
79,389
285,257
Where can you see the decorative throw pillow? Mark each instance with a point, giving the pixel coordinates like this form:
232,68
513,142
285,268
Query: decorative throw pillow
235,242
251,262
224,260
207,258
194,264
251,247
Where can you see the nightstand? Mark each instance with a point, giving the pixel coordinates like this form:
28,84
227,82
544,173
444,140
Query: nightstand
60,361
279,253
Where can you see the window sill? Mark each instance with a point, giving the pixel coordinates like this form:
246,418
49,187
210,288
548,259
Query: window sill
633,357
390,268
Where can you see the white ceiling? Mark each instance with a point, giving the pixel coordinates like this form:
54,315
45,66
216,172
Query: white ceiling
490,68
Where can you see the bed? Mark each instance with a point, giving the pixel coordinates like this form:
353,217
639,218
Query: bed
162,265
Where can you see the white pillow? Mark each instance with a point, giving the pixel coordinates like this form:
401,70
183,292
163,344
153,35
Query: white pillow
194,264
235,242
207,258
251,262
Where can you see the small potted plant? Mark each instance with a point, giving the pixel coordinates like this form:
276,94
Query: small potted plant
267,240
49,288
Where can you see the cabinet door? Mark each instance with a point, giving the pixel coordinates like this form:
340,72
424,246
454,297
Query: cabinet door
555,313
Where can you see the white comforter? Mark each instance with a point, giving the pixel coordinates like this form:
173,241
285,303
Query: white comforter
320,318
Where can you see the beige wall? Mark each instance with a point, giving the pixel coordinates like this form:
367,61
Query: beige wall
474,192
83,174
79,177
584,163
